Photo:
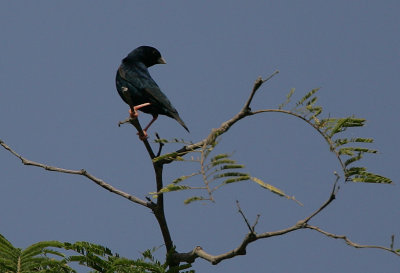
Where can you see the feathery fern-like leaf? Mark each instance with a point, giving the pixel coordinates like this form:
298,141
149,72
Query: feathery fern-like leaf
307,96
288,98
192,199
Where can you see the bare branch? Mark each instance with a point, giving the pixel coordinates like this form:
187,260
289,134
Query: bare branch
161,145
255,222
82,172
256,86
330,199
251,228
350,243
158,208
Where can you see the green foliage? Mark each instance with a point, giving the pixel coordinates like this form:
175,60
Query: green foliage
218,171
101,259
35,258
331,129
221,169
39,257
288,98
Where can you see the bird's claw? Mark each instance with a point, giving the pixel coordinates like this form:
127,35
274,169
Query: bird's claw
143,135
133,113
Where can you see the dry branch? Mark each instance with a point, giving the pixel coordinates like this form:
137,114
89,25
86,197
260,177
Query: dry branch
82,172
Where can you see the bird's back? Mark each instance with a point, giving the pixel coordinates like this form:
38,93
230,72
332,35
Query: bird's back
135,86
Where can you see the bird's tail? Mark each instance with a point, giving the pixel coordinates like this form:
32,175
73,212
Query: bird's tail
178,119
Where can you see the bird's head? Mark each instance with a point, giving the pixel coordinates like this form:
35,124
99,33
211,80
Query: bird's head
147,55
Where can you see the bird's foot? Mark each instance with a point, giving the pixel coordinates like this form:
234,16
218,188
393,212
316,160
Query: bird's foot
143,135
133,113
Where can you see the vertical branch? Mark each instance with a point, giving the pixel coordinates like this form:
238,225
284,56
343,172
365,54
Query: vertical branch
158,208
136,124
159,211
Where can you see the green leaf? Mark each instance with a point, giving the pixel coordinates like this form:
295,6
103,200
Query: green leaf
174,187
342,141
316,110
354,171
184,177
307,96
288,97
169,156
222,161
192,199
339,127
268,186
219,156
237,179
32,259
227,174
311,102
350,151
353,159
371,178
161,140
342,124
233,166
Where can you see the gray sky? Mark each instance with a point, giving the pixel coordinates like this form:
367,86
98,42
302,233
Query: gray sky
59,106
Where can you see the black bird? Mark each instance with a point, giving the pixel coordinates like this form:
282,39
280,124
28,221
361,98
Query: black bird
139,90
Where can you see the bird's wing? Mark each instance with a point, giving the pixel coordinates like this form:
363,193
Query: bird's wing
160,98
143,81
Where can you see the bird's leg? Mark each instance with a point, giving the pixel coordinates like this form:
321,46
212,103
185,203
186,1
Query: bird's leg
144,135
133,110
134,114
155,116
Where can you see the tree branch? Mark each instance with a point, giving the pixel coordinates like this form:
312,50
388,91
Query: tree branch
251,228
256,86
350,243
224,127
252,236
82,172
158,208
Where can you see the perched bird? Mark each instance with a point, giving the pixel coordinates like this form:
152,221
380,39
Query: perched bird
139,90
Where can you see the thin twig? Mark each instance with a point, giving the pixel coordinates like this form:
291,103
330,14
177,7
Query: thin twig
161,145
255,222
330,199
256,86
244,217
349,242
82,172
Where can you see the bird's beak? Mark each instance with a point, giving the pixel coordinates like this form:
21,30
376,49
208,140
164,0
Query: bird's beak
161,61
